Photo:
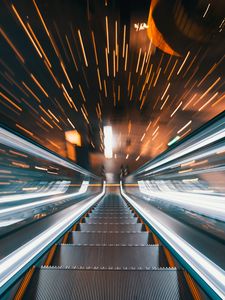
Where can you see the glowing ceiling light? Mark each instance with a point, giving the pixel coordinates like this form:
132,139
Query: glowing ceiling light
108,141
73,137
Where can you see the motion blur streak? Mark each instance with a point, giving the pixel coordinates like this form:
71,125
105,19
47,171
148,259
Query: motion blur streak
213,275
18,259
58,188
17,208
11,140
209,205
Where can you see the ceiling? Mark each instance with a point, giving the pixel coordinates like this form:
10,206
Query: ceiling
81,65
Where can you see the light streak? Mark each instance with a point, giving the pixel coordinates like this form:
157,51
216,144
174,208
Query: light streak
107,62
39,45
157,77
94,45
138,61
20,57
67,77
185,126
114,63
25,29
71,52
70,123
189,102
41,18
105,88
126,57
209,89
210,100
99,79
212,274
207,8
82,93
143,62
124,40
185,59
165,91
39,85
22,128
107,33
172,70
164,102
176,109
20,258
82,47
10,101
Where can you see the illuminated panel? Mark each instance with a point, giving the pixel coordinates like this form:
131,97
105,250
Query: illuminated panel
73,137
108,141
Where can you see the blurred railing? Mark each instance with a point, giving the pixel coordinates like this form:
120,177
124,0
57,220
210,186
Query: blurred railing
190,174
35,181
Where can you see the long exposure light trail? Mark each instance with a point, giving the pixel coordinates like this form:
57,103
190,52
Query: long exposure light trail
212,274
17,260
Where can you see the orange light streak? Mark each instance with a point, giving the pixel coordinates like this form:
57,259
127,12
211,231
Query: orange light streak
107,62
25,29
124,40
67,77
173,113
39,85
82,47
10,101
12,46
183,63
138,61
107,33
94,45
38,43
126,56
99,79
31,92
71,52
210,100
25,130
185,126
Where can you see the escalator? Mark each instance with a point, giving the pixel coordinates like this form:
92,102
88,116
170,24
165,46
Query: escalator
109,254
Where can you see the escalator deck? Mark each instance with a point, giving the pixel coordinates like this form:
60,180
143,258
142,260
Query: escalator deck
109,255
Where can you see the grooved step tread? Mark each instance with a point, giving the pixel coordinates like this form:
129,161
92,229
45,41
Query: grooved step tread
66,284
92,220
109,256
79,237
111,227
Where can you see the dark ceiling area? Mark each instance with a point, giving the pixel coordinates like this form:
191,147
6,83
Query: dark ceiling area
152,70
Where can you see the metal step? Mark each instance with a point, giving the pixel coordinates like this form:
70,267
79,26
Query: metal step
81,238
94,220
110,214
111,227
67,284
151,256
111,210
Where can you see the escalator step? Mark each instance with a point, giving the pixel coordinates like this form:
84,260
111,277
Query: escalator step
66,284
110,214
111,227
94,220
79,237
151,256
112,210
